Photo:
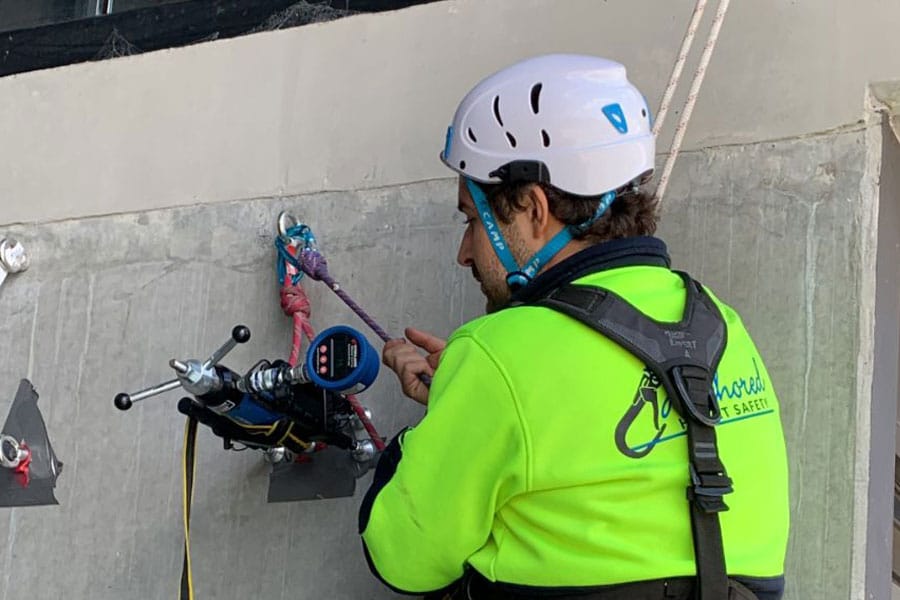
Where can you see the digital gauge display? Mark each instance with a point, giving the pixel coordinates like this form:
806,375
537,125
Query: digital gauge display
337,357
340,359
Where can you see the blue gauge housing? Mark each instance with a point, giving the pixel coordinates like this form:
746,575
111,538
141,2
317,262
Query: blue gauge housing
342,360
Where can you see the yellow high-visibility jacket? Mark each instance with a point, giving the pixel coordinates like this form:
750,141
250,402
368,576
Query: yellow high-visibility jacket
516,469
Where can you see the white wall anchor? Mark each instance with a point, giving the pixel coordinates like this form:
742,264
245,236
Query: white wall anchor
13,258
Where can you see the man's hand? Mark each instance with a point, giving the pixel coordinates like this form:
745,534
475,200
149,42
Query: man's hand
405,360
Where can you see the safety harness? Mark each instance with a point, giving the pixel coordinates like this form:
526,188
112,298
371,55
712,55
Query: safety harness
684,357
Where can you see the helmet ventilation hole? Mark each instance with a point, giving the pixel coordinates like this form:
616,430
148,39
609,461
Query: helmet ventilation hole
472,136
497,110
512,140
546,137
462,165
643,112
536,98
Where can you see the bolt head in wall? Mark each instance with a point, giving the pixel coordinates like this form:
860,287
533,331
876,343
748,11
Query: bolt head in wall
13,258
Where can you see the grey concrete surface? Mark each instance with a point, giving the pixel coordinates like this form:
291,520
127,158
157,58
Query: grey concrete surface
773,228
365,101
886,367
104,306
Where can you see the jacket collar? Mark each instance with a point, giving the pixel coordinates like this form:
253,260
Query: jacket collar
624,252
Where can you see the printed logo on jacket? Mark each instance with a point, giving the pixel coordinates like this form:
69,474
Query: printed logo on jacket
650,420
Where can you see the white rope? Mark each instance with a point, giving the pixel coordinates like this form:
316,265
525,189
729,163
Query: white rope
686,44
691,99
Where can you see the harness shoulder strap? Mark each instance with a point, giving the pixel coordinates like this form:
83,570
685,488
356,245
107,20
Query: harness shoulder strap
684,357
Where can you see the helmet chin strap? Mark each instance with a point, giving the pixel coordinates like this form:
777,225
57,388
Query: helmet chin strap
518,277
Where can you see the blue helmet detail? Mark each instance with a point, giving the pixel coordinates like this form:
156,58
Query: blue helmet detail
615,115
517,280
448,143
602,207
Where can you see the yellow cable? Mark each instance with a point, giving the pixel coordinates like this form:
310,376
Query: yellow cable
186,502
190,434
287,432
301,443
269,429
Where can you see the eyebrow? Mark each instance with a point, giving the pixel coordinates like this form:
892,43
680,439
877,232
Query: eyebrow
462,207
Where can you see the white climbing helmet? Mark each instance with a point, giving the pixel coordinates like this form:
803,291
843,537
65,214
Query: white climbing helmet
570,120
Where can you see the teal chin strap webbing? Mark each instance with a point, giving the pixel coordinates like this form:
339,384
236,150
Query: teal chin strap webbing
518,277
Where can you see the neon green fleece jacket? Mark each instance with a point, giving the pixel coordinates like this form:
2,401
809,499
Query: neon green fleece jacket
516,469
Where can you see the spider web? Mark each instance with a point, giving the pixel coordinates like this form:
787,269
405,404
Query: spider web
302,13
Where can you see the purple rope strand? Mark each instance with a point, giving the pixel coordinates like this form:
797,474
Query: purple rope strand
316,267
336,288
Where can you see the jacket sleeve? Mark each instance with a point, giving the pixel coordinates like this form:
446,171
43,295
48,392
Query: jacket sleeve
437,486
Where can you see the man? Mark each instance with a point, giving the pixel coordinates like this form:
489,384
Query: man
580,440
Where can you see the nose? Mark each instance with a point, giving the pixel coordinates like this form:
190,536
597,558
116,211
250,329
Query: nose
464,254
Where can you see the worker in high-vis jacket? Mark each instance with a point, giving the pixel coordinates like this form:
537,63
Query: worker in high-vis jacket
608,430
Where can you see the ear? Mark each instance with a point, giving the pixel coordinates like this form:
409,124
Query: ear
537,210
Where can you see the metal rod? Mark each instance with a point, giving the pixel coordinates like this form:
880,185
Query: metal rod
220,353
158,389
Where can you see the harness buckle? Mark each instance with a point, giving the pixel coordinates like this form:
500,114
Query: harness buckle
712,414
707,490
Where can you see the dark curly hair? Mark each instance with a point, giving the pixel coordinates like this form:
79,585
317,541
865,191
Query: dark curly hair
632,213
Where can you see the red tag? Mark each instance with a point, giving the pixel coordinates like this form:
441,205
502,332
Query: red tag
23,470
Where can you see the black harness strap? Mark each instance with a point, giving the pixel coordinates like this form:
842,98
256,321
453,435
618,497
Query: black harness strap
684,357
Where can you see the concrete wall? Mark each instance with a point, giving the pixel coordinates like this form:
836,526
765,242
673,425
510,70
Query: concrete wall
110,300
197,149
772,227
